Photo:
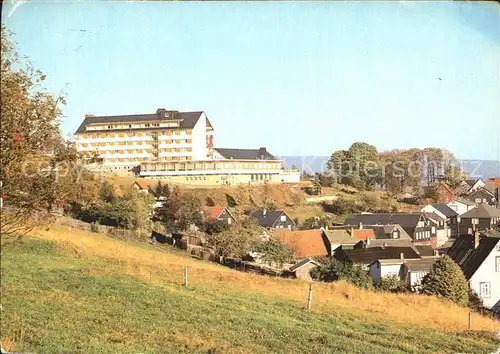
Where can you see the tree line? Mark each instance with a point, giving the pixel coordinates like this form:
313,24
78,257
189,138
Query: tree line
362,166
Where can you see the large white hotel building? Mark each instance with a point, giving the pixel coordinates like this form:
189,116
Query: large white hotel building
176,146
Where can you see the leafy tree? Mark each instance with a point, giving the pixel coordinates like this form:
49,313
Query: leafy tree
215,226
358,166
234,242
274,251
392,284
107,192
32,148
189,212
453,176
162,190
446,280
332,270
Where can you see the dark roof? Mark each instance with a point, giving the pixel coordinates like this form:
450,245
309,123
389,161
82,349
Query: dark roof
471,182
481,192
395,242
403,219
370,255
445,210
422,264
482,211
464,201
468,258
188,119
301,264
268,218
425,251
434,216
246,154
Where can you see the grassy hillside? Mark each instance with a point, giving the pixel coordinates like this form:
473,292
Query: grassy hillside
71,291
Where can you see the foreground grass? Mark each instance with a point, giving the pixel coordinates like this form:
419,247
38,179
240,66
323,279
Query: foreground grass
68,297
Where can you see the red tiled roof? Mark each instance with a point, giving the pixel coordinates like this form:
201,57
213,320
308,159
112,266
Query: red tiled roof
496,180
212,212
142,185
306,243
362,235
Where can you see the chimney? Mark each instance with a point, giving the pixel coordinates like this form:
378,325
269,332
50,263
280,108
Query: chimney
262,152
476,239
368,241
361,225
384,245
264,212
352,231
402,255
436,253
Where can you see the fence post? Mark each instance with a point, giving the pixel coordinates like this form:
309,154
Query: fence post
470,320
185,276
309,300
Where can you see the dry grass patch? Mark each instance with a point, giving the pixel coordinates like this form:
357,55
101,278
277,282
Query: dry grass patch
163,267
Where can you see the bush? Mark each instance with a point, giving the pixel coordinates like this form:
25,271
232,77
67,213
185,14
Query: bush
94,227
392,284
446,280
274,252
332,270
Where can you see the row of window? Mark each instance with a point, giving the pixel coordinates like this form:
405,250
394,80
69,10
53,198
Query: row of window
136,134
129,143
260,177
196,178
421,235
156,158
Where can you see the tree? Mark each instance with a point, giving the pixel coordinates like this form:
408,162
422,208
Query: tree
189,212
215,226
30,142
107,192
234,242
274,251
358,166
332,269
446,280
162,190
453,176
392,284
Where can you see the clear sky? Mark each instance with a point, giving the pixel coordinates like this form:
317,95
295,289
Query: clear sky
302,78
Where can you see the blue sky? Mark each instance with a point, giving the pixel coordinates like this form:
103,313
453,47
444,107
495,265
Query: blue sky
303,78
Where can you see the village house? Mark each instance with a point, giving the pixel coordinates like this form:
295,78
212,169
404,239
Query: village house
493,185
482,195
468,186
218,213
420,229
411,271
461,205
478,256
302,269
445,219
482,217
141,186
444,193
273,219
302,243
366,256
333,239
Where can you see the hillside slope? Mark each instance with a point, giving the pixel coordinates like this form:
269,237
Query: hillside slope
71,291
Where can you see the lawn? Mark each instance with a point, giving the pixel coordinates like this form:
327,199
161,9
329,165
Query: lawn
86,293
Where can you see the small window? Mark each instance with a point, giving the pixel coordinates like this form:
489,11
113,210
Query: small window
485,290
478,200
283,217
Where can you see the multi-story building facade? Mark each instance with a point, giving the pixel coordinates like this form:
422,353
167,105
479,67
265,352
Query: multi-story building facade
174,146
122,143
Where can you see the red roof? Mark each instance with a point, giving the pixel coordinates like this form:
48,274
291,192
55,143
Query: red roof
363,235
496,180
142,185
306,243
212,212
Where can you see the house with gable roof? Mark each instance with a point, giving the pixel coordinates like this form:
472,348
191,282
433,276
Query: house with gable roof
478,256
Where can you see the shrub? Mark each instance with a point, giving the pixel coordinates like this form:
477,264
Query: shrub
94,227
446,280
392,284
332,270
274,252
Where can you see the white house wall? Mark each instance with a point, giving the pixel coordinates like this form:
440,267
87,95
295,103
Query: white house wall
200,139
488,273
